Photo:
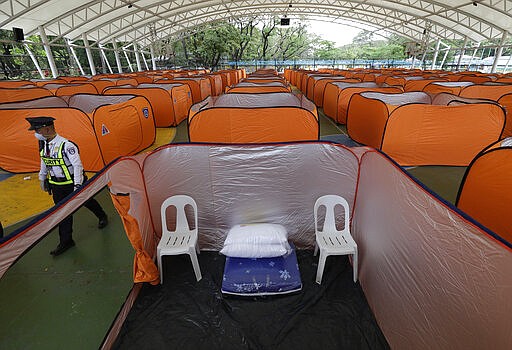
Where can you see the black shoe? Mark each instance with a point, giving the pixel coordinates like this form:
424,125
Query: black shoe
62,247
103,222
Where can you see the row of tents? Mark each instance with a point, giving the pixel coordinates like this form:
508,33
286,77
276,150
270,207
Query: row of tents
429,118
108,116
260,108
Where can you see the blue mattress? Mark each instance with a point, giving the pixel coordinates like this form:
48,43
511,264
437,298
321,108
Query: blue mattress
261,276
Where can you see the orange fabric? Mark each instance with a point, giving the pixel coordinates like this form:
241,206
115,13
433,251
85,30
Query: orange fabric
166,104
76,89
41,83
142,79
367,120
486,193
319,89
123,129
330,100
437,89
395,81
199,87
424,134
126,81
419,134
506,101
19,152
22,94
102,84
499,93
254,125
419,85
10,84
256,89
346,94
215,84
144,268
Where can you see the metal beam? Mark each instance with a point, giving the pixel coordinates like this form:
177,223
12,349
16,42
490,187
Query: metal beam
89,53
34,60
499,52
137,57
48,50
118,59
72,49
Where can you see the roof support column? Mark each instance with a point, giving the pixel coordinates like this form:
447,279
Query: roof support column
433,66
75,57
34,60
152,52
137,57
499,52
89,54
48,50
462,52
118,59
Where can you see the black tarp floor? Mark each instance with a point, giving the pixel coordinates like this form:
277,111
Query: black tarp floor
185,314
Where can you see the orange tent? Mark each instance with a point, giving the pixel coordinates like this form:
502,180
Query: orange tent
41,82
419,83
170,102
253,118
486,189
102,84
254,88
104,127
337,97
451,87
71,89
321,83
500,93
413,131
11,84
215,83
199,86
22,94
311,80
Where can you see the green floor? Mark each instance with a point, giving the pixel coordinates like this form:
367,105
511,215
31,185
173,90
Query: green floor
70,301
67,301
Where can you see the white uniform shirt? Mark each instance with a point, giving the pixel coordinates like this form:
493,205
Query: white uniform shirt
71,158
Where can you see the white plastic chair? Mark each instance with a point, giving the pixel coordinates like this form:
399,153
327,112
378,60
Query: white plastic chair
330,240
181,241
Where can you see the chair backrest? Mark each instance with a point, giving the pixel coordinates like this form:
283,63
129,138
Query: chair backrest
329,202
179,201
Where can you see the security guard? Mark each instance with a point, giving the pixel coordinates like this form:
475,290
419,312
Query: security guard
61,173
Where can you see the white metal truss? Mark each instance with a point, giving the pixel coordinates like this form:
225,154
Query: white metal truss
125,21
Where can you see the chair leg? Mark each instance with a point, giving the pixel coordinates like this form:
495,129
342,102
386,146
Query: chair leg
197,248
354,265
316,249
321,265
195,263
159,261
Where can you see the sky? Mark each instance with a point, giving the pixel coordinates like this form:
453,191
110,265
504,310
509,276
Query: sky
340,34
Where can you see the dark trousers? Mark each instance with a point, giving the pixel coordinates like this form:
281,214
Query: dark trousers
60,192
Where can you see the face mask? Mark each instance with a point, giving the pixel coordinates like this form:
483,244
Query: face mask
39,137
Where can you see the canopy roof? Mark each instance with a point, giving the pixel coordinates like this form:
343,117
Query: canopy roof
146,21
